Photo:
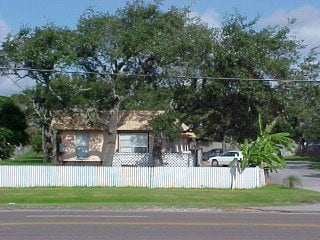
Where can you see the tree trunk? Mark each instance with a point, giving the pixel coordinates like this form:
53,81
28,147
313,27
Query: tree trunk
55,148
46,143
109,137
157,152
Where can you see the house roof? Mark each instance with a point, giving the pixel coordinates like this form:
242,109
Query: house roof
136,120
128,121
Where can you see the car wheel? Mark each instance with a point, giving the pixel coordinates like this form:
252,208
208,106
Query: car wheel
214,163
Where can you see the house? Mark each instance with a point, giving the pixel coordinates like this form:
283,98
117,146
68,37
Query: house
79,143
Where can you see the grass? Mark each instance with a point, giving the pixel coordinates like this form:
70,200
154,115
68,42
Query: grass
315,161
30,158
303,158
272,195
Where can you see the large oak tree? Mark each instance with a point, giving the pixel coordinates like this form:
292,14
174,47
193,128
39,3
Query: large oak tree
113,55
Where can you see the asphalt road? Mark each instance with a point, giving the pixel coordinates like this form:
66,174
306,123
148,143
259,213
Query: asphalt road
194,225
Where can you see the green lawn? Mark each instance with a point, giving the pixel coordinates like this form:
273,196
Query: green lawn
303,158
315,161
271,195
30,158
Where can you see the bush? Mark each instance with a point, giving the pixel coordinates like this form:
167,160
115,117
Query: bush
6,149
292,181
6,152
36,142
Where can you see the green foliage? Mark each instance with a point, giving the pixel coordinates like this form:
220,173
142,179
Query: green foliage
36,142
39,48
139,39
12,127
166,126
6,148
228,109
11,116
150,98
302,108
265,151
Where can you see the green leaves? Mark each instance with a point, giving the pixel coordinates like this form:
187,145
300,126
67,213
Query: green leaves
302,107
40,49
166,126
12,127
241,50
265,151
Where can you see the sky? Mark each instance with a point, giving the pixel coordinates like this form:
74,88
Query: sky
15,14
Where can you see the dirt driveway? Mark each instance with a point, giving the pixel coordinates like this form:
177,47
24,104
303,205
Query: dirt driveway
310,179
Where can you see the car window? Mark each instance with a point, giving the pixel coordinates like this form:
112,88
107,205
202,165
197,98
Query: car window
228,154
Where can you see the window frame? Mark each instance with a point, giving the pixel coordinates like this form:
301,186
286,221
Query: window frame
138,148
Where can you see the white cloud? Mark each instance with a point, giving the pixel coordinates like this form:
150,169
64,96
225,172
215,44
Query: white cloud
4,30
307,26
211,17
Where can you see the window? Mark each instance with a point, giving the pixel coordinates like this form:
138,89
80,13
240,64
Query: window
82,145
133,142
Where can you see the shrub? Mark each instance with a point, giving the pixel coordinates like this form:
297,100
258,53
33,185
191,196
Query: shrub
292,181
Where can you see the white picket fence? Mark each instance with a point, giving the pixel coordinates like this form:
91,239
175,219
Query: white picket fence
152,177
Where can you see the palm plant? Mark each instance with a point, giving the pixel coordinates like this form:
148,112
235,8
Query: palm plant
265,151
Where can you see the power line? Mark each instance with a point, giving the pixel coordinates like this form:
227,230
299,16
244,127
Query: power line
170,76
14,82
